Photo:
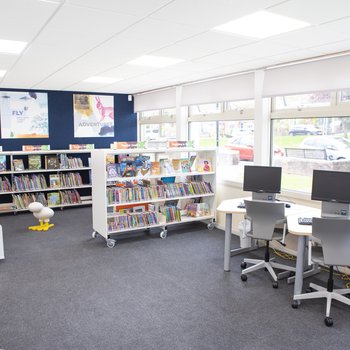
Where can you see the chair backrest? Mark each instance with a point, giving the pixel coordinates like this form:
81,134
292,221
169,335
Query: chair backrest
335,239
264,216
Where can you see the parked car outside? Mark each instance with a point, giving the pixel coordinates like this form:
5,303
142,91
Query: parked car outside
304,129
245,146
335,148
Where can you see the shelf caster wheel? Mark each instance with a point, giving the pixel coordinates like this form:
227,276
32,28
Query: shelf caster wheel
275,285
211,226
163,234
243,265
94,234
244,278
328,321
295,304
110,242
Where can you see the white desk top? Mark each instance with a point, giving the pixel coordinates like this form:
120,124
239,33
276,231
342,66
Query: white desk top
229,206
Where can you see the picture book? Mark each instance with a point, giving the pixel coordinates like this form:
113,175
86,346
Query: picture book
192,160
128,167
204,165
3,165
111,170
55,181
53,199
143,166
176,165
51,162
185,165
166,166
110,159
18,164
155,168
34,161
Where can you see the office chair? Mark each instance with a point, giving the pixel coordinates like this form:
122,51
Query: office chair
264,217
334,235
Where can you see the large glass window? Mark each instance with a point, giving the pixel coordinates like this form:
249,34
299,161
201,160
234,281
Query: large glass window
345,96
317,99
161,131
204,134
308,144
239,105
209,108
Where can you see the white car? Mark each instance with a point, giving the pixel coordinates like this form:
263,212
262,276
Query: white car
335,148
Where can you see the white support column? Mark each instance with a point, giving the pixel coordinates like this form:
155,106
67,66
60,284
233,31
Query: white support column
181,117
261,122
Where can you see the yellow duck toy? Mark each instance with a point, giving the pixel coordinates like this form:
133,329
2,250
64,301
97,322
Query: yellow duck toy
43,214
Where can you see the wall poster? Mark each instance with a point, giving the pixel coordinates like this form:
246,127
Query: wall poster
93,115
24,114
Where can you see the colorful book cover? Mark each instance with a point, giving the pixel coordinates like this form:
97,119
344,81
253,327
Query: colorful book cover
204,165
34,161
185,165
55,181
111,170
18,164
143,166
192,160
155,168
3,166
110,159
176,165
51,162
166,166
53,198
128,167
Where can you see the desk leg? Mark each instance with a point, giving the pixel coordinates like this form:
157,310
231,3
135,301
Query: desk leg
299,267
227,249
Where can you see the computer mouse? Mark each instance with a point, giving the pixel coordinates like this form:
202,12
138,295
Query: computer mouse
287,205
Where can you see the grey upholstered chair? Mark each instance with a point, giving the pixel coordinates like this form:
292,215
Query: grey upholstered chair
334,235
264,217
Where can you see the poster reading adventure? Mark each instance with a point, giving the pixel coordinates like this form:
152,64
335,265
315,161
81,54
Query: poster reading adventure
93,115
24,115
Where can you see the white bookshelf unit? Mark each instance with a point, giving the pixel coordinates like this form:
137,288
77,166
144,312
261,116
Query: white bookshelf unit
123,204
56,178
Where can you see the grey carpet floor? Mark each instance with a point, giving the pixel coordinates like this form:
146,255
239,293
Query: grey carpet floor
63,290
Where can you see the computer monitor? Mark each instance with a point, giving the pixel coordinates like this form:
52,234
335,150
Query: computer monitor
332,188
263,181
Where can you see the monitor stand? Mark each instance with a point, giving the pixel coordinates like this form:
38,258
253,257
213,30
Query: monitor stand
330,209
271,197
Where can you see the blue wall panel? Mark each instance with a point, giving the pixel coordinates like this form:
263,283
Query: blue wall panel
61,123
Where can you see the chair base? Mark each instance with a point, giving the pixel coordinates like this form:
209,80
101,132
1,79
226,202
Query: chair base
321,292
269,265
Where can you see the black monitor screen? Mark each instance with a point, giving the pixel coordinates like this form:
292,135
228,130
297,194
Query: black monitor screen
262,179
331,186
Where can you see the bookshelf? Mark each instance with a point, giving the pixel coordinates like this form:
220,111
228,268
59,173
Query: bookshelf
56,178
170,187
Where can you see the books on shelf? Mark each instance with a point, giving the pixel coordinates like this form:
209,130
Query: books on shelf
5,184
110,159
155,168
185,165
204,165
143,166
53,199
176,165
198,209
128,167
66,162
31,148
29,182
55,181
166,166
3,165
34,161
51,162
112,170
18,164
132,220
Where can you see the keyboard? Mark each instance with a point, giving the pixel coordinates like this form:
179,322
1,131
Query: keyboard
304,221
241,205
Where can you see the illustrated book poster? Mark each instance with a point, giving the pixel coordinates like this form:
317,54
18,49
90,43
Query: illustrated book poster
93,115
24,114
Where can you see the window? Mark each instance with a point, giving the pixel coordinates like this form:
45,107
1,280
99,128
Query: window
210,108
239,105
204,134
161,131
345,96
318,99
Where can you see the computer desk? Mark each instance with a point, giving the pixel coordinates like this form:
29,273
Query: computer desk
229,207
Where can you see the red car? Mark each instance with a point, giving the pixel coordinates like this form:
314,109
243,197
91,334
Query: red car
245,146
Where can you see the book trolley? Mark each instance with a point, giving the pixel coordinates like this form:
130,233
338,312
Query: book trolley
56,178
178,187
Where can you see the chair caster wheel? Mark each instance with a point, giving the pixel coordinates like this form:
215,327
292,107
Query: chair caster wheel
243,265
295,304
244,278
275,285
308,290
328,321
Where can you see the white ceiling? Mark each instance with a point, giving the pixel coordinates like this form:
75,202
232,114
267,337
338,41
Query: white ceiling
71,40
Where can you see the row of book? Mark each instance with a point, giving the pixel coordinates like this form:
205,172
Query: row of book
65,180
70,162
132,220
21,201
171,213
29,182
5,184
116,195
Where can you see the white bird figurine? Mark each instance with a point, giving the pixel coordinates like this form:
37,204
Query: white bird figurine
43,214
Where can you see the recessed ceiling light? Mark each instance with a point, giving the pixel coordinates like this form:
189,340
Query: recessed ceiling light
2,72
101,80
11,46
261,24
155,61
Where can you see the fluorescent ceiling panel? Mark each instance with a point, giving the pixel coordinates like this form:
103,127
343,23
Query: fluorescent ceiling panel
101,80
261,24
12,46
155,61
